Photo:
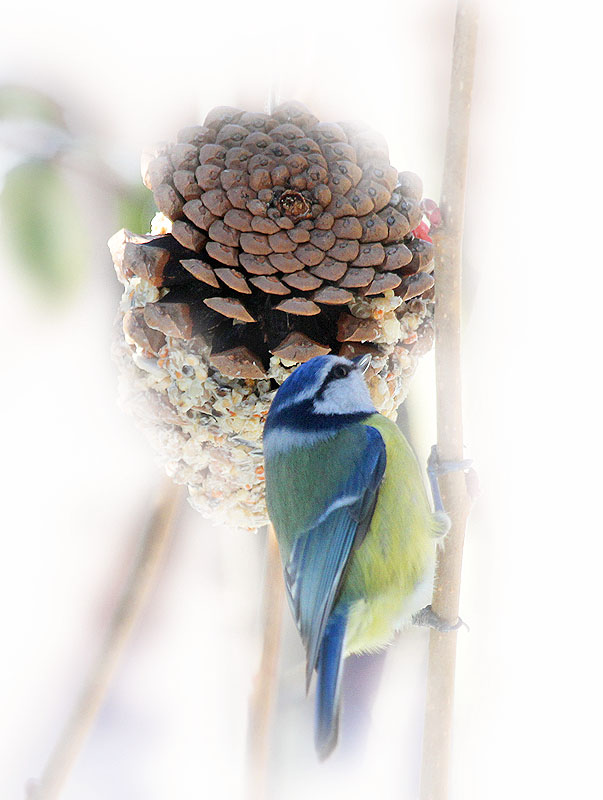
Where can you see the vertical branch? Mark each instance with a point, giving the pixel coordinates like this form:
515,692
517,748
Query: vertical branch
442,646
261,703
142,579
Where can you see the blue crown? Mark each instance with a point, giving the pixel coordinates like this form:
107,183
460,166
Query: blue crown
299,380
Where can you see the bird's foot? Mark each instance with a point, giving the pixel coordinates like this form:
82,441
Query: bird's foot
437,467
427,618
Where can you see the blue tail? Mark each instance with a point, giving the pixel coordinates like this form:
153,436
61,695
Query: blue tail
329,669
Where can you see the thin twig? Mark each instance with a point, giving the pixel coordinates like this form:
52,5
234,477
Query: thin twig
274,95
73,158
442,646
142,579
263,695
261,703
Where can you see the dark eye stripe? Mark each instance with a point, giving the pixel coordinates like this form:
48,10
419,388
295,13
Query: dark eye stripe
336,372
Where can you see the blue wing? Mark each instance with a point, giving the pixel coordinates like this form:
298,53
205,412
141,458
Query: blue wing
320,555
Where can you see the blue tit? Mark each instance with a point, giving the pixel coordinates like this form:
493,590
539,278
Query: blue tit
355,528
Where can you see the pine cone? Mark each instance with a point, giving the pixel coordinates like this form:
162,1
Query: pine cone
279,238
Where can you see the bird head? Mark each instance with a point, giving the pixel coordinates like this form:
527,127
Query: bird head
318,399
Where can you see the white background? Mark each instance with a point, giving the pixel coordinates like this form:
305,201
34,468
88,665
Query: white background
78,476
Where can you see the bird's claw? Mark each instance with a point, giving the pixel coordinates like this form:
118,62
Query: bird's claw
428,618
437,467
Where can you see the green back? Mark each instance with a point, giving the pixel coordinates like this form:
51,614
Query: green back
302,482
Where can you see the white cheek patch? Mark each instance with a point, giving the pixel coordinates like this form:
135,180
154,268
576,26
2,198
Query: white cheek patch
345,396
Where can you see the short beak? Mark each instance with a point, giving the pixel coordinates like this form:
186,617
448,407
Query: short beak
362,362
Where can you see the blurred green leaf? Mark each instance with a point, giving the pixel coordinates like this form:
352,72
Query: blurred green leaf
136,209
25,102
44,227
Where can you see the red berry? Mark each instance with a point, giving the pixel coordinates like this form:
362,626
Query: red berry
435,218
422,231
428,205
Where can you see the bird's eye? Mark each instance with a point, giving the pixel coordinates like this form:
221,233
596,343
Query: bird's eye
341,371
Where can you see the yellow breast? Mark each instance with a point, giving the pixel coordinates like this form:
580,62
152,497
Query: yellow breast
391,573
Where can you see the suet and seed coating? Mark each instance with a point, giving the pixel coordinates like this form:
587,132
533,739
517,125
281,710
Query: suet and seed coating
279,237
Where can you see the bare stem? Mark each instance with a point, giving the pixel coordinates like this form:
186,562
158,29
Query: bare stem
261,703
442,647
150,556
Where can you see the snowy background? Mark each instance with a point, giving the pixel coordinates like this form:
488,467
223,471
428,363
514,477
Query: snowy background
79,478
